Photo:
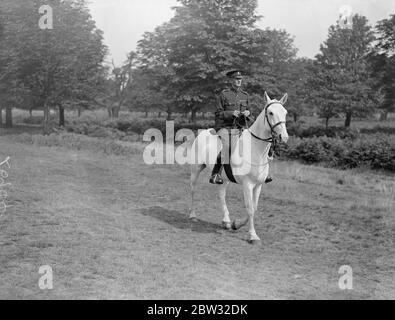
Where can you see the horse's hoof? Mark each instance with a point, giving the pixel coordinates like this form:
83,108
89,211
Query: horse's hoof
234,226
254,241
226,225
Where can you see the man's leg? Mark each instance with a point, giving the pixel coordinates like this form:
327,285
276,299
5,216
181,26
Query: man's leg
217,170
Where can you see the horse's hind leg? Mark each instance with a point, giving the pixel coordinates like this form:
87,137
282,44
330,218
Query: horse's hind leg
195,172
226,223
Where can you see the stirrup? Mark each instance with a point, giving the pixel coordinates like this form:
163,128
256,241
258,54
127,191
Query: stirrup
216,179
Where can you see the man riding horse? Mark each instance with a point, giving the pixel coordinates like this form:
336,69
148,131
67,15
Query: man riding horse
232,115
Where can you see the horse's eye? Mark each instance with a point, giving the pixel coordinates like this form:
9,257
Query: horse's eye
271,113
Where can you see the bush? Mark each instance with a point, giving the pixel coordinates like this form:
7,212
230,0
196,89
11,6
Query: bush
301,131
378,129
38,120
374,151
122,128
95,130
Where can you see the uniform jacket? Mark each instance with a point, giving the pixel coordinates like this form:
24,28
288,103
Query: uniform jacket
228,101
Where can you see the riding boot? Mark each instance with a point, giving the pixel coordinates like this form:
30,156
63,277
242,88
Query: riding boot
216,174
268,179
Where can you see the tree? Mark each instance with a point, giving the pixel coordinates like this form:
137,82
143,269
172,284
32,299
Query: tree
270,62
122,79
344,57
141,96
52,68
382,60
7,69
191,53
295,80
325,87
1,44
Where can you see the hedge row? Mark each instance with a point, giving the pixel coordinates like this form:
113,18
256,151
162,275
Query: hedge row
376,152
298,130
373,151
121,127
378,129
335,147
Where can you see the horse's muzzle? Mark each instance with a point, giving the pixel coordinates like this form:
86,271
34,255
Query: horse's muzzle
284,138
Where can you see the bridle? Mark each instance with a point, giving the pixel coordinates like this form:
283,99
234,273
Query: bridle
272,139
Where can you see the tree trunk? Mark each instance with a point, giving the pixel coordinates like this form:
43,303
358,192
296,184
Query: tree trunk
1,117
296,117
46,119
115,112
193,116
79,111
348,119
327,123
61,117
169,114
384,115
8,117
160,114
31,113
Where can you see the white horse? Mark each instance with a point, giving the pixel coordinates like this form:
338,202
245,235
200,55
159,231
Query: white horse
249,161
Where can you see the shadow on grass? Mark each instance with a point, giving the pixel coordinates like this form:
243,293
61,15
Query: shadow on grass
180,220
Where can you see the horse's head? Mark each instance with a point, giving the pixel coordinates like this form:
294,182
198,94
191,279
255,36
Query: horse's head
275,117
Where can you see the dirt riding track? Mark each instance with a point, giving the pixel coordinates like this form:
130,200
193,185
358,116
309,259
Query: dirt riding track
113,227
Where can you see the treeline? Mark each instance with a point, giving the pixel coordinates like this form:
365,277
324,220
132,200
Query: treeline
181,65
49,59
183,62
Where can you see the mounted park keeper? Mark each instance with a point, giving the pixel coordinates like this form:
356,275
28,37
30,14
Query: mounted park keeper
231,116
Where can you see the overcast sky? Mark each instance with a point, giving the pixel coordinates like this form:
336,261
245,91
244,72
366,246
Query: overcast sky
124,21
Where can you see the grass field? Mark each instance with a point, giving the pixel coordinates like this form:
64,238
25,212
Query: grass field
113,227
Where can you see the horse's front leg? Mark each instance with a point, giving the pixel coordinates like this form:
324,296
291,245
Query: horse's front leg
257,193
251,204
226,223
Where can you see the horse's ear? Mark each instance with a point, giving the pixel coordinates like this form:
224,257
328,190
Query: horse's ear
284,99
267,98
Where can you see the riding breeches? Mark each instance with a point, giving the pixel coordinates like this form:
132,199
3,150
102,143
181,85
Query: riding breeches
229,138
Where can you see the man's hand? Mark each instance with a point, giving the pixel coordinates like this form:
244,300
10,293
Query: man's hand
236,113
246,113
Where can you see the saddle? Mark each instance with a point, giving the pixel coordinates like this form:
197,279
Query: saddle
227,166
